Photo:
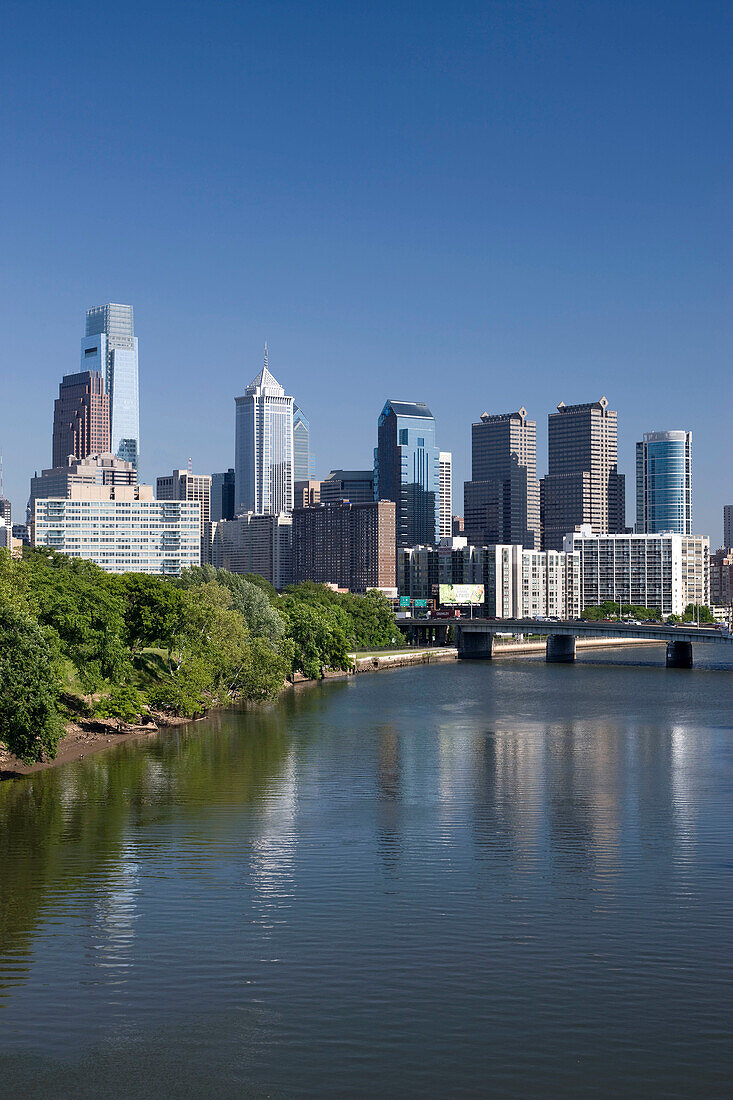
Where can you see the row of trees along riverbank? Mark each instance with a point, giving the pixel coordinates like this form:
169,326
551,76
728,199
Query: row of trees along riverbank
76,642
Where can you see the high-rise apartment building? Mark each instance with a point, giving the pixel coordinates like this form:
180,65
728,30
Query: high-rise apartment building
184,485
665,572
664,483
121,528
445,526
407,470
307,494
263,464
727,525
61,481
501,502
110,347
6,512
349,545
302,463
252,543
222,495
721,579
356,486
81,424
583,485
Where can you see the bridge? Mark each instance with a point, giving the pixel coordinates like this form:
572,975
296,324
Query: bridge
475,637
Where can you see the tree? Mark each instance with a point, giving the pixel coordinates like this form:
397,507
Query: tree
318,637
698,613
30,725
251,601
153,611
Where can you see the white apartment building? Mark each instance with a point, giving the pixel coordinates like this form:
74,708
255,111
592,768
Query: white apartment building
445,517
518,583
121,528
664,571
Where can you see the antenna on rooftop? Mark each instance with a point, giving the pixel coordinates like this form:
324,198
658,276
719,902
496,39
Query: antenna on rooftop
190,467
266,355
2,483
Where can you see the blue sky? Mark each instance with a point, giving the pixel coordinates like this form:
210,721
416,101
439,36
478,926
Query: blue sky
478,205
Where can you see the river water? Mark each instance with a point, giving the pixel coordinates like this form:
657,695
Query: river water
512,879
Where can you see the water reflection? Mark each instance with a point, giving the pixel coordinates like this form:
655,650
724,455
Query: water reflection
435,856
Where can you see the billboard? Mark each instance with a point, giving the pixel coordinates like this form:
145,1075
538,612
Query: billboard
460,595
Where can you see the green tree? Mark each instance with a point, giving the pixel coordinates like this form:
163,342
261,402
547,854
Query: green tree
262,620
698,613
318,636
30,725
154,611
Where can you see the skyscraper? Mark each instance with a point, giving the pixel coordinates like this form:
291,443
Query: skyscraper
263,463
445,460
80,418
501,502
727,525
583,485
301,446
184,485
110,347
664,483
356,486
407,470
222,495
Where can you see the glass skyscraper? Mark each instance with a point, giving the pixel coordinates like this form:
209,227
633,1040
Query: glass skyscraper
407,470
110,347
664,483
263,458
302,469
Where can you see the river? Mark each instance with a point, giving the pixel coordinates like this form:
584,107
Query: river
507,878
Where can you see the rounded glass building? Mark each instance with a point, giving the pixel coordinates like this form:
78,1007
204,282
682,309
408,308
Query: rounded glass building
664,483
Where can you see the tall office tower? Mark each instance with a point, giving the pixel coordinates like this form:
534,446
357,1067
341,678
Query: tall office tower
727,525
6,512
445,461
222,495
183,485
263,455
356,486
407,470
80,417
302,464
583,485
664,483
110,347
501,503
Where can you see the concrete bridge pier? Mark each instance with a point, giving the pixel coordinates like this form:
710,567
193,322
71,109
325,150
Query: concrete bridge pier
474,645
679,654
560,648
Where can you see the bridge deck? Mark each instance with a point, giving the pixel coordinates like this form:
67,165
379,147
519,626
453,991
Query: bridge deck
580,628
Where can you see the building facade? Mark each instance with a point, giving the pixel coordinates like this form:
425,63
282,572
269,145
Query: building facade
664,572
721,579
502,500
356,486
104,469
583,485
664,483
307,494
263,465
222,495
110,347
302,462
123,529
252,543
81,419
407,470
183,485
6,511
349,545
518,583
445,525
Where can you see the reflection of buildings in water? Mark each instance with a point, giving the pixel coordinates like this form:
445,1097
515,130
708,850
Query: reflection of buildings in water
273,849
389,786
686,749
111,928
508,789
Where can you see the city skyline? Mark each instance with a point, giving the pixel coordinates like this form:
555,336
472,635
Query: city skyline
445,205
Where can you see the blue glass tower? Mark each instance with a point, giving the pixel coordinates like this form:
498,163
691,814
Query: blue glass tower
664,483
110,347
407,470
302,462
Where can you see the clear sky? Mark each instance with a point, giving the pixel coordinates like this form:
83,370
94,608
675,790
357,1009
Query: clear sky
477,205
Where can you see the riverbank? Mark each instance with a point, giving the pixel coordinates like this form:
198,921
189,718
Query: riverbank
87,738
